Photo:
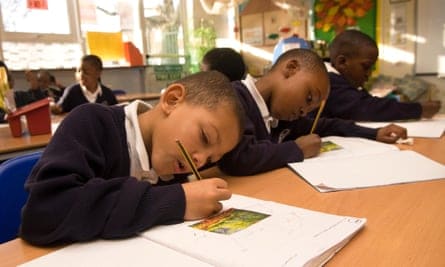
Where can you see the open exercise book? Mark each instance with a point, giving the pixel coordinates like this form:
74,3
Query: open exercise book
248,232
349,163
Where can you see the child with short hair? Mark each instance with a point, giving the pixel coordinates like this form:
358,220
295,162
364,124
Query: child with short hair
352,57
277,130
89,89
108,170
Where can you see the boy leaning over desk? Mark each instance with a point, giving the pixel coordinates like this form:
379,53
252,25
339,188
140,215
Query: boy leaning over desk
352,57
108,170
277,130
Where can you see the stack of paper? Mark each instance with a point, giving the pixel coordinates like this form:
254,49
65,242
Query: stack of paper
359,163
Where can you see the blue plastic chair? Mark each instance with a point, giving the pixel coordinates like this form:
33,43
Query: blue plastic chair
13,174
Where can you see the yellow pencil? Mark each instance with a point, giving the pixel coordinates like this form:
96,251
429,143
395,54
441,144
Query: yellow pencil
189,160
320,109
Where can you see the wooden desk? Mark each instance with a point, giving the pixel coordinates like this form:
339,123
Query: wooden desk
142,96
405,227
13,146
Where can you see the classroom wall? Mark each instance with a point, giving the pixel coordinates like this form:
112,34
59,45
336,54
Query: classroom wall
396,53
397,36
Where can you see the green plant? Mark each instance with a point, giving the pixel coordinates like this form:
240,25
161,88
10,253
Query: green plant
203,39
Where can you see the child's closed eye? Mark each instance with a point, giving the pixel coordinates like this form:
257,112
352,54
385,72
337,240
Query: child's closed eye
204,138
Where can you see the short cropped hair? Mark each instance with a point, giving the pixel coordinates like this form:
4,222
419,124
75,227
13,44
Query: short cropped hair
94,60
211,89
307,59
227,61
348,43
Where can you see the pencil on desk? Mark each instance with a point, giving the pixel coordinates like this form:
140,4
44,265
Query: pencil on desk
320,109
189,160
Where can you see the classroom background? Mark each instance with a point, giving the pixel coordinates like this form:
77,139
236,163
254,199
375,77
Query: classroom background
145,44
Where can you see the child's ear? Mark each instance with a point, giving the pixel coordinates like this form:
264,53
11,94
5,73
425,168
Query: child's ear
173,95
340,62
291,67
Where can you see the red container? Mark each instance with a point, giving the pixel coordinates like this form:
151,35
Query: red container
132,54
38,118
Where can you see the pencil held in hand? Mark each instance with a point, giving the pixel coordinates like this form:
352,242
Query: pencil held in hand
320,109
189,160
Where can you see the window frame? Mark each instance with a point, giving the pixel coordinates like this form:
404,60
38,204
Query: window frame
72,37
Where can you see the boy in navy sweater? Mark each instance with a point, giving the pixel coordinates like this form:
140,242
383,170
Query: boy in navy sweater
276,130
352,56
107,172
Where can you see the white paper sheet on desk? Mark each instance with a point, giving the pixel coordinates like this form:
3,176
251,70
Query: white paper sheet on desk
430,128
352,147
391,167
135,251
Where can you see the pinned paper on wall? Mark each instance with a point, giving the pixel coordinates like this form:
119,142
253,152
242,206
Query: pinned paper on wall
107,45
37,4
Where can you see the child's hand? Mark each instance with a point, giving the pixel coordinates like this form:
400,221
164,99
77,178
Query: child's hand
430,108
391,133
310,145
203,197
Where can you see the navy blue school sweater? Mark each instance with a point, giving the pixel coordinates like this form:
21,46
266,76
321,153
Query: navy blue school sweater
259,151
73,97
81,188
347,102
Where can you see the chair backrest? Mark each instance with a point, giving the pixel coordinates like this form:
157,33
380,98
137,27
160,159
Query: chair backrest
13,174
119,92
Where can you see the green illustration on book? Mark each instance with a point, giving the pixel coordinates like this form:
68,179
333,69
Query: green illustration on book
327,146
230,221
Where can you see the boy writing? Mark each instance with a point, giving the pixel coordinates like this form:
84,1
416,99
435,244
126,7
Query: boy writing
277,131
352,56
107,172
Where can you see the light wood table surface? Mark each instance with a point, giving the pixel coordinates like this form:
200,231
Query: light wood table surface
13,146
405,227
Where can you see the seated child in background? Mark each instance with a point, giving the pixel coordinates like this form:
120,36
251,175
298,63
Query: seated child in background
276,130
88,90
107,172
34,93
47,83
352,57
225,60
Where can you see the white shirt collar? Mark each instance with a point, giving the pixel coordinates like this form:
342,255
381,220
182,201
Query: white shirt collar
139,158
269,121
331,68
91,97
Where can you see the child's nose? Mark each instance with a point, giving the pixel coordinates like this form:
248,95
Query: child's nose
200,158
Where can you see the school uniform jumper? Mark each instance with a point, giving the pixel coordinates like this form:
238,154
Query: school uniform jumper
73,97
81,188
259,151
347,102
